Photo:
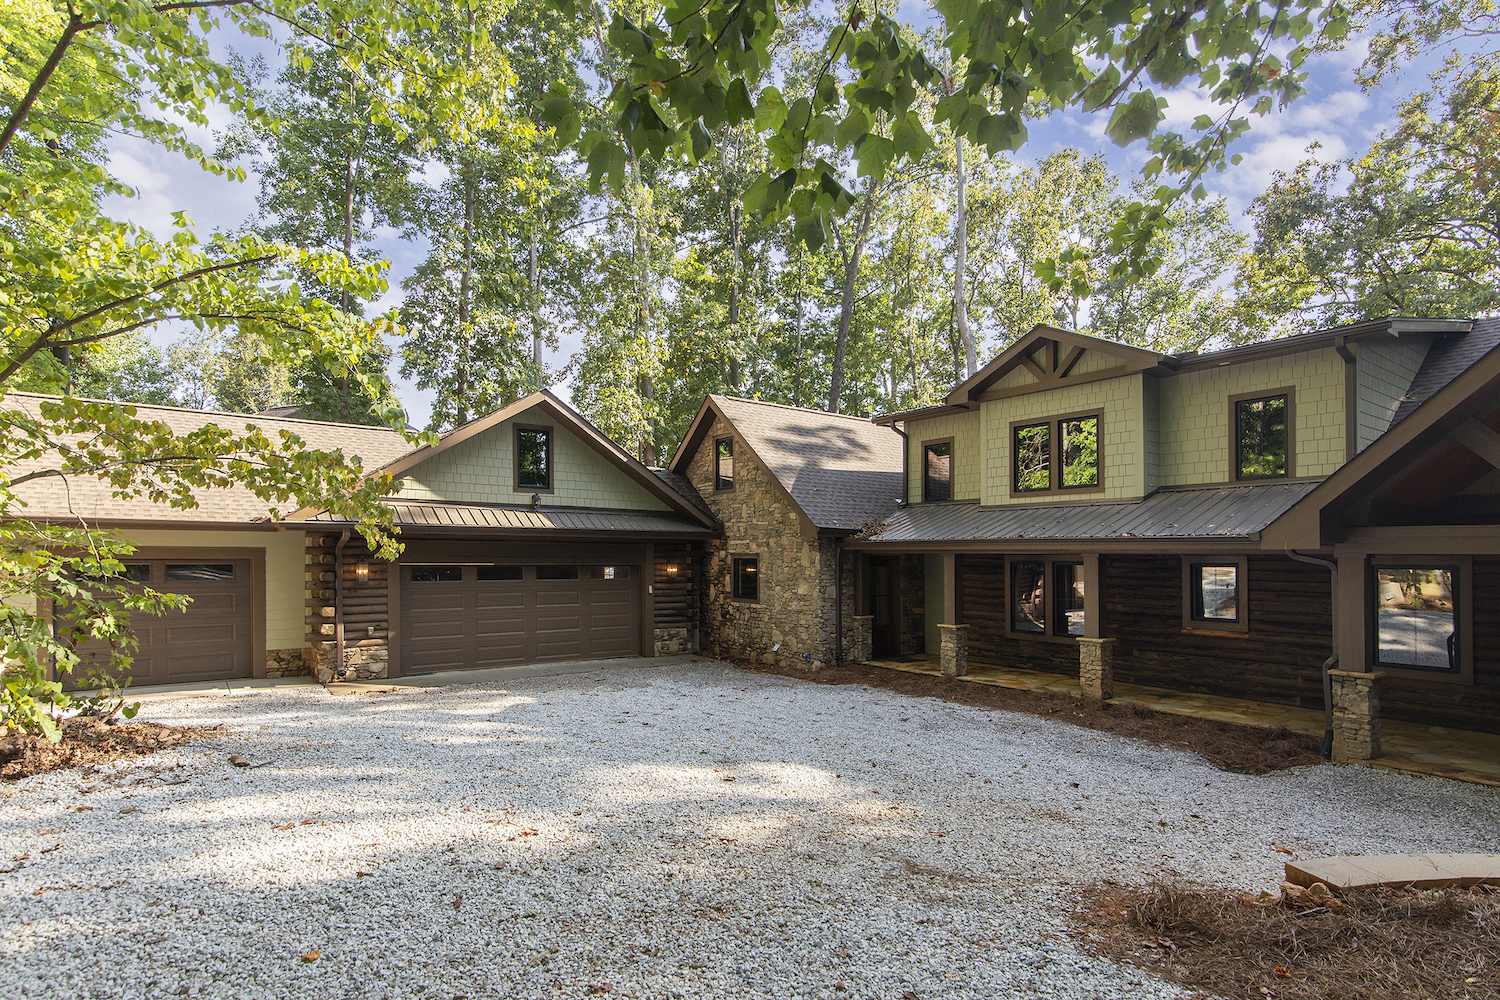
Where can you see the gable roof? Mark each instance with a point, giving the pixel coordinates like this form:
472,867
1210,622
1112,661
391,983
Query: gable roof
843,472
574,422
91,498
1019,354
1448,357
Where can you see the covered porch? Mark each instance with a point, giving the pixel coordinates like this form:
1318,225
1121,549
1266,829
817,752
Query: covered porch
1434,750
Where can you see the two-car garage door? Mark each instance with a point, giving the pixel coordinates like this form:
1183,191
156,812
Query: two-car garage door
470,617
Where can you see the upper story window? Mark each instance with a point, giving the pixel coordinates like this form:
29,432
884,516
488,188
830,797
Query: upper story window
724,464
534,458
1262,438
1050,456
937,470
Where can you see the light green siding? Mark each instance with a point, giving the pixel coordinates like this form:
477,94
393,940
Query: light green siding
286,560
1383,371
963,428
482,470
1194,415
1120,403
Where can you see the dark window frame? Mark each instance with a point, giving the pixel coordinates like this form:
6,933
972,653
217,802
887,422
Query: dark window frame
1049,565
735,562
1055,487
723,484
411,577
1290,393
1191,592
951,468
551,457
1463,609
1059,622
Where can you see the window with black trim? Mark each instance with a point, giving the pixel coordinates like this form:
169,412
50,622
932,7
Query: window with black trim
1214,594
437,574
1028,597
501,573
533,458
1262,437
724,463
130,573
1056,455
745,573
1417,617
1067,599
937,470
1047,598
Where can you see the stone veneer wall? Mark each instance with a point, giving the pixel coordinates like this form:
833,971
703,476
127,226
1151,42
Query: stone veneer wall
289,662
795,609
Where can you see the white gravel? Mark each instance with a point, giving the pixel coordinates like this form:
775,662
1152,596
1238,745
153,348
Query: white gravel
681,830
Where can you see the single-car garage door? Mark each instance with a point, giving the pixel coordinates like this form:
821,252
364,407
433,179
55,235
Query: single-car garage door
209,641
470,617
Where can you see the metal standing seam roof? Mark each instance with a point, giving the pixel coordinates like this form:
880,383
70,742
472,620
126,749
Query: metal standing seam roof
1214,512
843,471
425,514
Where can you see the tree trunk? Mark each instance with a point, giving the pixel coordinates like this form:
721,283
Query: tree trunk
852,255
465,280
534,277
961,262
732,209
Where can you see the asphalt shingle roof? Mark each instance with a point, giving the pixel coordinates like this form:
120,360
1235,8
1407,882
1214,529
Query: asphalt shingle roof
92,499
684,488
1216,512
1449,357
844,472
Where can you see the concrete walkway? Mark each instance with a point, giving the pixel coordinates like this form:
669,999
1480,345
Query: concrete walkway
1449,753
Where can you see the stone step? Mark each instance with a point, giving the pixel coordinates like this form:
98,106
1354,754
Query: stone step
1418,871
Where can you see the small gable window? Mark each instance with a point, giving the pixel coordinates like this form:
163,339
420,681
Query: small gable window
937,470
1262,436
534,458
746,582
724,464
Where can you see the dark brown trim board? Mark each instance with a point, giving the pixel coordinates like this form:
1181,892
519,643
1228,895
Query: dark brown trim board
1290,392
1191,620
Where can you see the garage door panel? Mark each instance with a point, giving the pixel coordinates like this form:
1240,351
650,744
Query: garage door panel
512,600
426,601
209,667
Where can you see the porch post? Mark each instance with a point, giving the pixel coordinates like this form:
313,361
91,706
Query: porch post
953,655
1096,654
1356,715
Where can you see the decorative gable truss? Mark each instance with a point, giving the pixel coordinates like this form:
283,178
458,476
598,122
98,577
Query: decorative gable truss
1050,358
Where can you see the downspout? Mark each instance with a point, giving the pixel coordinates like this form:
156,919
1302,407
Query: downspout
838,602
1332,661
905,464
338,604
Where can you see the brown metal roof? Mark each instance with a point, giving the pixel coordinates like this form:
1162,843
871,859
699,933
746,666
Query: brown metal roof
85,496
417,514
1214,512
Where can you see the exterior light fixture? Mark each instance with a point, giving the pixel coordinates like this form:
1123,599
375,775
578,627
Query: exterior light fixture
362,571
671,569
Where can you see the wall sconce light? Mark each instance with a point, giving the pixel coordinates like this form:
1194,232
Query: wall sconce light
671,569
362,571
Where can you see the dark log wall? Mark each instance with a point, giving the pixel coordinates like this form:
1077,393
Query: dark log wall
675,595
366,603
1279,660
982,587
1436,703
913,604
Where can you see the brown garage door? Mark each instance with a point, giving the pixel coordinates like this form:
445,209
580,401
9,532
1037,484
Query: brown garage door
209,641
470,617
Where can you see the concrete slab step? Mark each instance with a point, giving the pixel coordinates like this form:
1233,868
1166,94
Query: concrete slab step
1418,871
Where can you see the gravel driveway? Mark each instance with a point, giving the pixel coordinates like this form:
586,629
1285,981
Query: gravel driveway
681,830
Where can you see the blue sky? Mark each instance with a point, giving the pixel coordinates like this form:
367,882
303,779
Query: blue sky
1336,115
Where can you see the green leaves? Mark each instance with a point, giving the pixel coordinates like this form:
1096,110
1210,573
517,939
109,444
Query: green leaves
1136,118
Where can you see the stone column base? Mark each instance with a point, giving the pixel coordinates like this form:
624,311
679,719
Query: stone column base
861,638
1356,715
1096,668
954,652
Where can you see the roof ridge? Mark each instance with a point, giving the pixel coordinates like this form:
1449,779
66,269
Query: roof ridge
193,409
799,409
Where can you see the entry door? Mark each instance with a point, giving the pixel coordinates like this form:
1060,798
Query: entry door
885,606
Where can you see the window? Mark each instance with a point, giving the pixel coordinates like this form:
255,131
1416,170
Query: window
500,573
200,572
1416,617
1067,606
533,458
724,464
557,572
1213,596
436,574
1028,601
937,470
1078,450
1069,445
131,573
1032,450
609,572
746,578
1262,441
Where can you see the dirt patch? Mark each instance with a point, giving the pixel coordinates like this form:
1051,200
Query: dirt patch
1247,749
1388,944
90,741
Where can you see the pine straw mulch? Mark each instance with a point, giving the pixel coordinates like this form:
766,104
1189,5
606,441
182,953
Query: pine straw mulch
90,741
1376,944
1247,749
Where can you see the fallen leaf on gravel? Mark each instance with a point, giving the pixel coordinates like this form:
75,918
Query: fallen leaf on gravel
1283,850
82,809
313,955
458,901
49,850
21,857
601,988
239,761
283,826
128,809
363,874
